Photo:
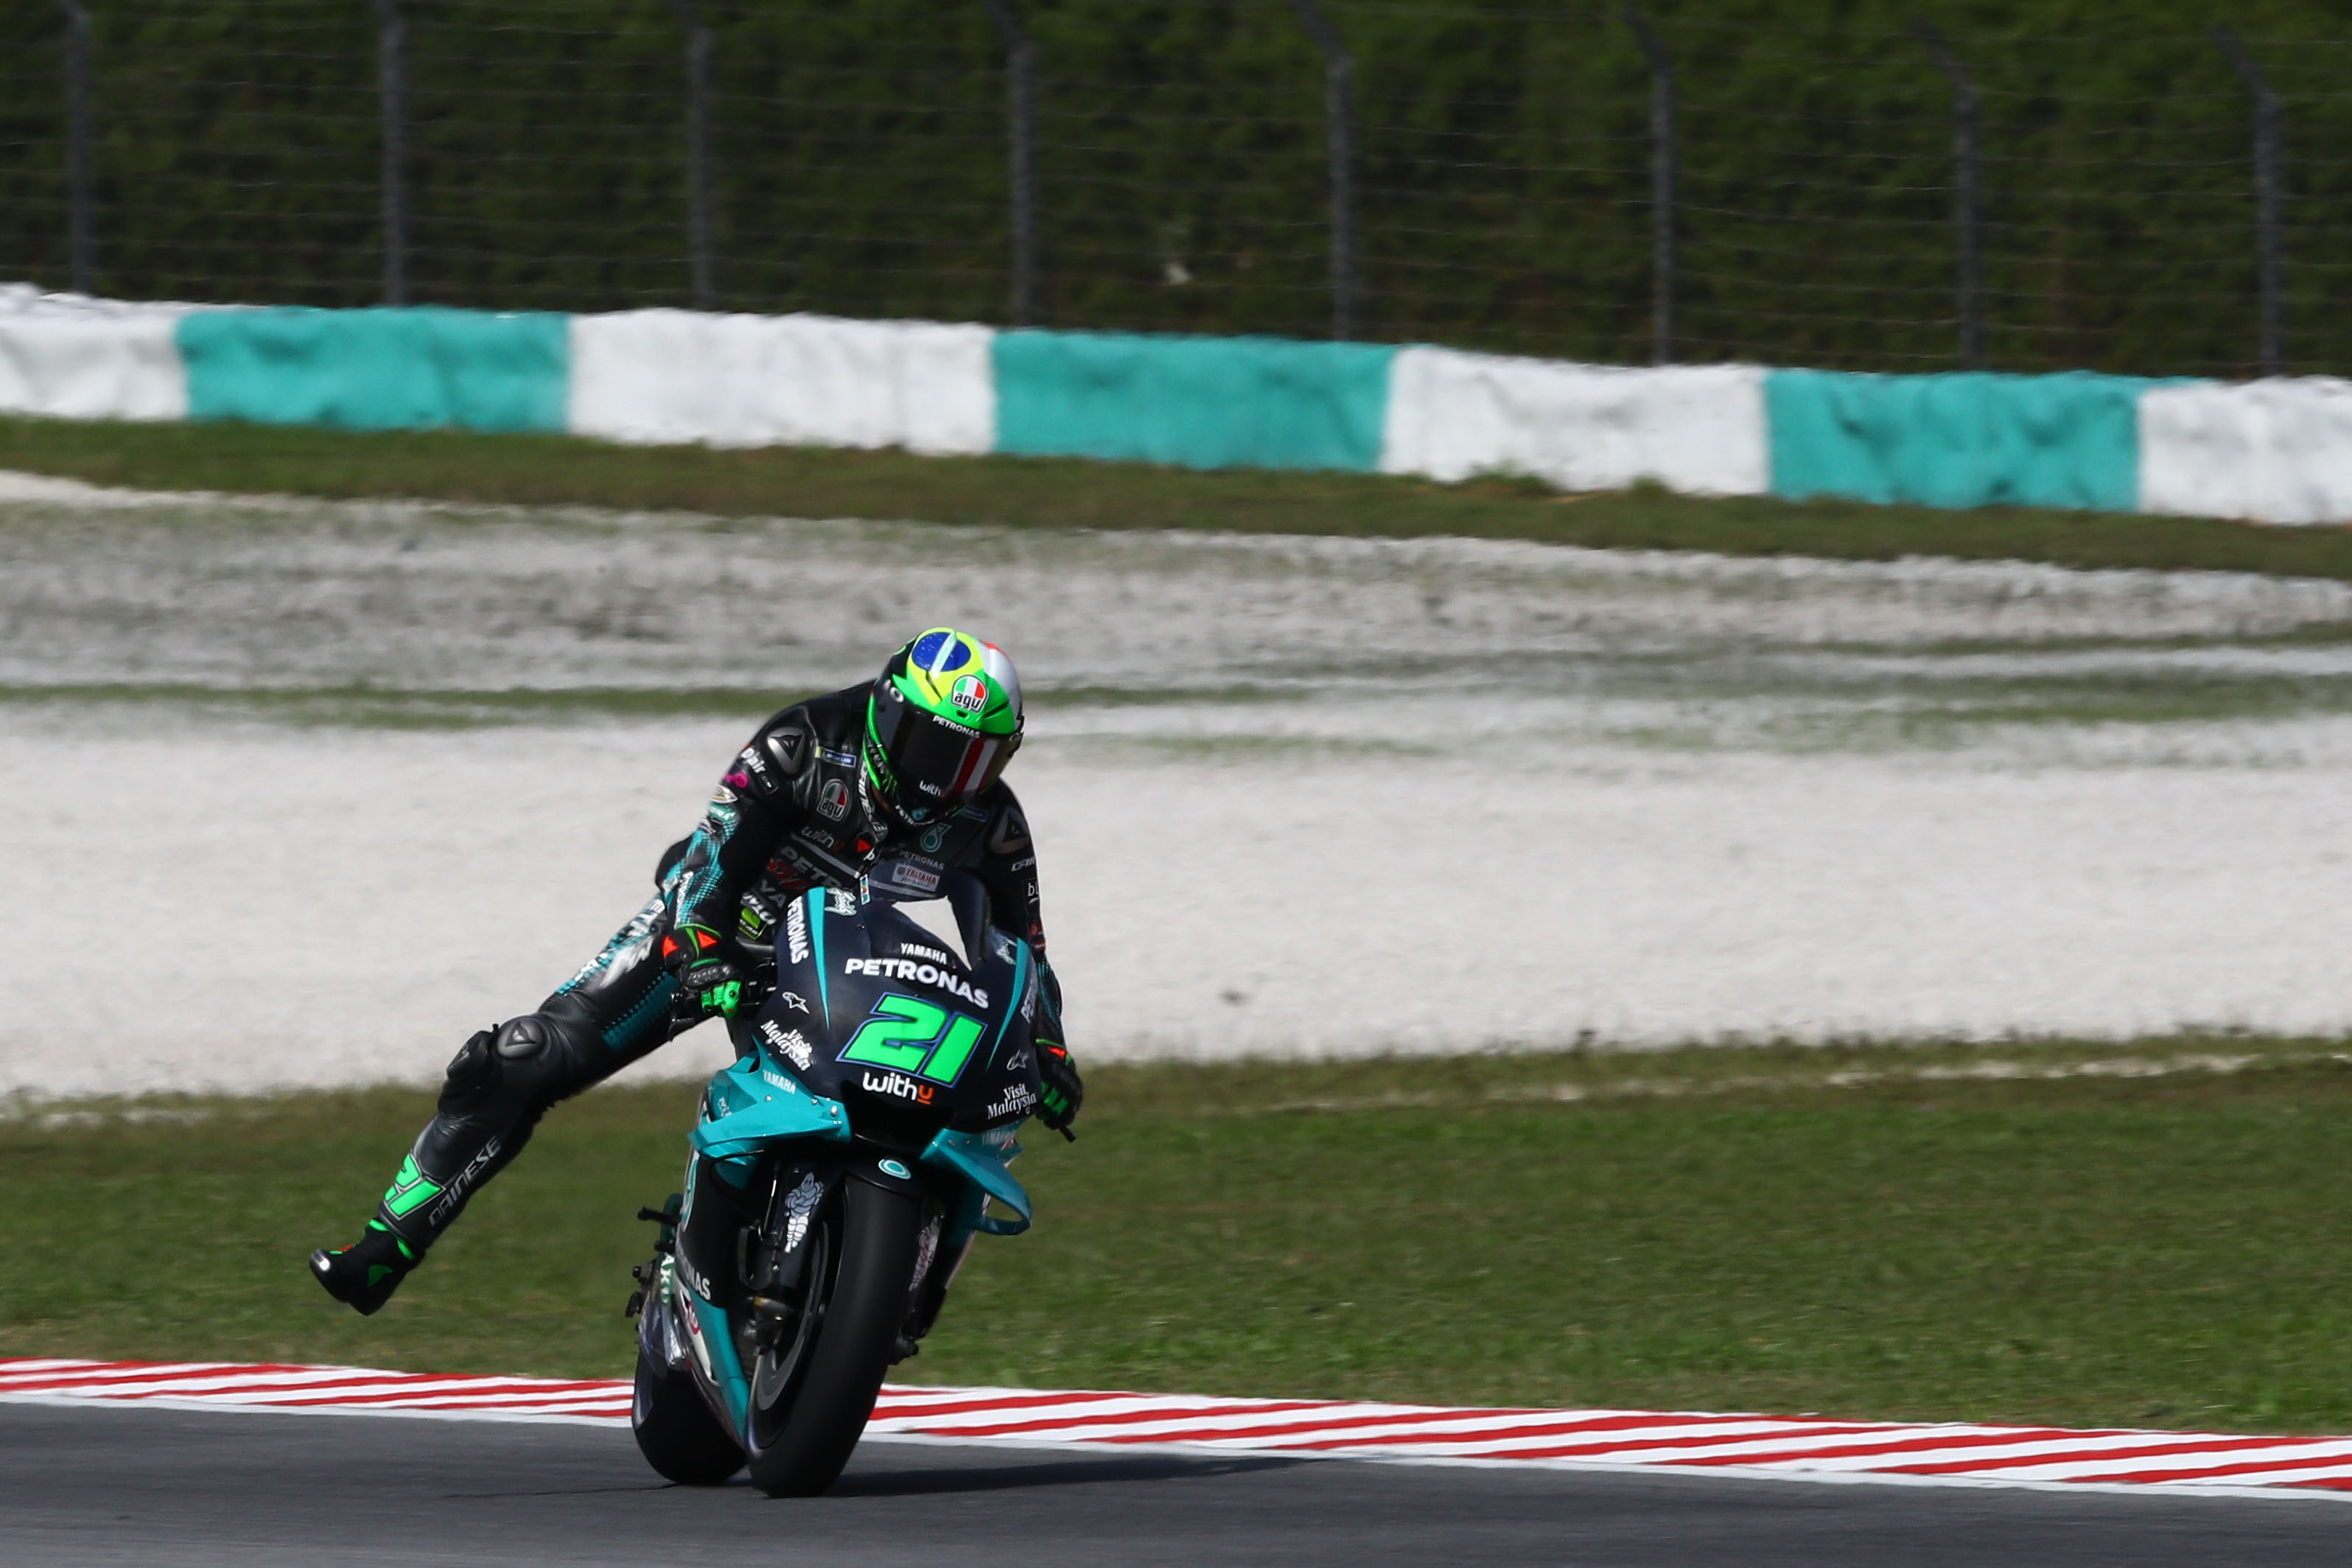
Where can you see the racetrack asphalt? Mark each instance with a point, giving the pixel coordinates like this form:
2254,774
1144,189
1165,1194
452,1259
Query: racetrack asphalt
205,1489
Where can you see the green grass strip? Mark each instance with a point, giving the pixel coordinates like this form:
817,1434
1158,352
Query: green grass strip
542,470
2146,1235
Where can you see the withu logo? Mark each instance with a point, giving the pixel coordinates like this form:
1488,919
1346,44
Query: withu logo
896,1085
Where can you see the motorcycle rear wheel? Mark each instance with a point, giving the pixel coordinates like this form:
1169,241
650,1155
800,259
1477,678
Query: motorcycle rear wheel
676,1431
854,1344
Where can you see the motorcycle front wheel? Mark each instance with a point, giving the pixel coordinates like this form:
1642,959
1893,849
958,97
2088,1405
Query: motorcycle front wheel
778,1366
855,1334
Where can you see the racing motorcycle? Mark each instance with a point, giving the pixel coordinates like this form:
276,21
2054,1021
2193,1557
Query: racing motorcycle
838,1175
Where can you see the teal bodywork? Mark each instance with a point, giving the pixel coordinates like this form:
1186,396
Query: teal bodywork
718,1339
981,1159
753,1105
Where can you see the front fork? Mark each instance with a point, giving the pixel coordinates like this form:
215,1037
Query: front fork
933,1274
742,1249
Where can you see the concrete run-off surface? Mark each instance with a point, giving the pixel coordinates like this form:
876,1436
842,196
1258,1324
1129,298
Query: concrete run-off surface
351,780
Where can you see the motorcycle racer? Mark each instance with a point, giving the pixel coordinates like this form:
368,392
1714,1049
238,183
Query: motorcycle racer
886,785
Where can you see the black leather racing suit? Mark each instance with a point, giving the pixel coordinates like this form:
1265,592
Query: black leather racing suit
792,812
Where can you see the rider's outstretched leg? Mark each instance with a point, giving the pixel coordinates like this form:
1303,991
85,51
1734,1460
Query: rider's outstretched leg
497,1087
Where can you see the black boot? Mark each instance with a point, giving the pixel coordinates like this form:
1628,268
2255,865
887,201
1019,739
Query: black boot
363,1274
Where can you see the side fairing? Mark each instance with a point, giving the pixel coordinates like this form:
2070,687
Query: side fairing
982,1160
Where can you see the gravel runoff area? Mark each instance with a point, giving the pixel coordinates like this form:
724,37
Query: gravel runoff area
301,793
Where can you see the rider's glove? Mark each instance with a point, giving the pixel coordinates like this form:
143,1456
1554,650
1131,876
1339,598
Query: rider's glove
1063,1091
708,984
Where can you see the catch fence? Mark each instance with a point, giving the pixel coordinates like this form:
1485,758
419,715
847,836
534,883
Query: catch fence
1613,185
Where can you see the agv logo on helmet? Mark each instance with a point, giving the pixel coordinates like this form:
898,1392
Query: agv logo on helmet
943,720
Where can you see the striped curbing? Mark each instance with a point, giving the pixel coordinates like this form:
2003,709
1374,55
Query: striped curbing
1796,1449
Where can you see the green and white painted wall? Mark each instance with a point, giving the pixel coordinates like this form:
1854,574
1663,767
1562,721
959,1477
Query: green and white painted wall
2278,451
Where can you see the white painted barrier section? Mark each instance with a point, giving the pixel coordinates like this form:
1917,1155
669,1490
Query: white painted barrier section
2274,451
680,376
1696,428
69,356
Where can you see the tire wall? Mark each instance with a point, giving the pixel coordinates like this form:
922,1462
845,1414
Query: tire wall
2278,450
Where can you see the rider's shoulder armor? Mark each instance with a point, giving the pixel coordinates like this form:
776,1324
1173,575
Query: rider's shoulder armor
803,764
797,754
1007,834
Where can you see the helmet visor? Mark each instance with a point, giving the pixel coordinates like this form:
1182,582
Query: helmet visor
937,763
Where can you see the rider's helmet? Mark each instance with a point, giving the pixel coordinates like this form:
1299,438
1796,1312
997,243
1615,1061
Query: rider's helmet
943,720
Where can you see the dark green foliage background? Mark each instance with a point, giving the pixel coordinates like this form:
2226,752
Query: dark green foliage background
862,167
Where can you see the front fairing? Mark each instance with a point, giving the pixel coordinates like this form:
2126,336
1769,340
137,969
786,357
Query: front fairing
873,1012
753,1106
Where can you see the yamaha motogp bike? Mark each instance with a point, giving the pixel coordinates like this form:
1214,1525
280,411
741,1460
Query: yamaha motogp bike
839,1173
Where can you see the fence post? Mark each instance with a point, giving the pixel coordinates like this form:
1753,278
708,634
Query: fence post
392,86
1339,77
1021,72
1967,207
2270,241
1662,188
700,234
78,153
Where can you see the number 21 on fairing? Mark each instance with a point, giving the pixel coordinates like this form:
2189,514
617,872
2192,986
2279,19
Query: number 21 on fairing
909,1035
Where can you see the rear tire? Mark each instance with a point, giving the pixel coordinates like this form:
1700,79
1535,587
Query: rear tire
854,1345
676,1431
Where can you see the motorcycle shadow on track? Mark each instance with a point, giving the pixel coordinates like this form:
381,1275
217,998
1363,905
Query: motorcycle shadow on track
948,1481
1061,1470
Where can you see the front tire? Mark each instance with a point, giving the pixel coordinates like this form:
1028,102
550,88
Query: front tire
676,1431
854,1345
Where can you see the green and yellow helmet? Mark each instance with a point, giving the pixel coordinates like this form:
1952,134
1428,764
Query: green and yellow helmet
943,720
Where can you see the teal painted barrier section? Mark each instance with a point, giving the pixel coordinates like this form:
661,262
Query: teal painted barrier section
421,368
1969,438
1196,402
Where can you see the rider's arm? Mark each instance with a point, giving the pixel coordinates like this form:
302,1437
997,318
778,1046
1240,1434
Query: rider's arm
1008,870
749,812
